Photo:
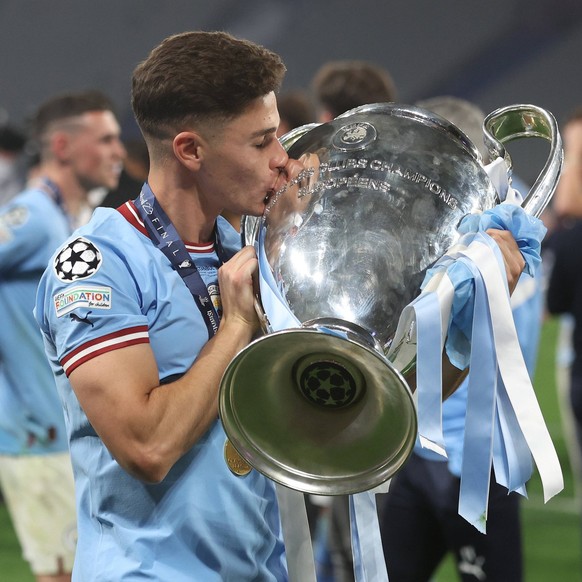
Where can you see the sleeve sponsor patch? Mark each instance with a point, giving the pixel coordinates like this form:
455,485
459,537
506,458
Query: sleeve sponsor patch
13,218
87,296
79,259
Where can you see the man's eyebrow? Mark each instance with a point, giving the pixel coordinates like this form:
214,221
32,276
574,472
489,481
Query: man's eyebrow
262,132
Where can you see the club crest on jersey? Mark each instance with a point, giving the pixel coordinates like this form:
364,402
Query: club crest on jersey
79,259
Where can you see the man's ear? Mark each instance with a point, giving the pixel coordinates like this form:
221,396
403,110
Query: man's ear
60,145
189,149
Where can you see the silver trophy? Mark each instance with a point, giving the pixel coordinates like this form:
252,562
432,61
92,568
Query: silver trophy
320,408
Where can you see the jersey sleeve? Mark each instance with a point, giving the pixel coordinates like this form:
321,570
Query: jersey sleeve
23,235
89,302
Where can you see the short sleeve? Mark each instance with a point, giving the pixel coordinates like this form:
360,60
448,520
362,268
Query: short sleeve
88,302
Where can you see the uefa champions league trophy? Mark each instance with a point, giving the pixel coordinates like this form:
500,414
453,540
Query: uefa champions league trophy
316,404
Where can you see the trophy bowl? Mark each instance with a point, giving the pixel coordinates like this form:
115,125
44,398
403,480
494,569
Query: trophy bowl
390,185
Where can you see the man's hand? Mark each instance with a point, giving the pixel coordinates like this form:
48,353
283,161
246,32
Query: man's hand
512,257
236,279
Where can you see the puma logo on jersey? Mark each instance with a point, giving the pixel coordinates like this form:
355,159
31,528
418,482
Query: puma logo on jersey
75,317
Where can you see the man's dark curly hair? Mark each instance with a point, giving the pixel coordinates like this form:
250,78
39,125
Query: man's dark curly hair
200,77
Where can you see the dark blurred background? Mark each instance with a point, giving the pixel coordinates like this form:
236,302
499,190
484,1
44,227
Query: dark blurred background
494,54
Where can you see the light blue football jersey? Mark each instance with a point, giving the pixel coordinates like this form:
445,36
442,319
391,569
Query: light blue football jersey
111,287
32,226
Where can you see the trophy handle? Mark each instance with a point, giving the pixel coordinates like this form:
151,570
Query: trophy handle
517,121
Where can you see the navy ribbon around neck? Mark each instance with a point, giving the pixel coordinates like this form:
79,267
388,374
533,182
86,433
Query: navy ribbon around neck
165,236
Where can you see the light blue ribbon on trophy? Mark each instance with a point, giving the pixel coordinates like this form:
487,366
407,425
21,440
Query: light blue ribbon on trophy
296,535
294,524
432,309
511,430
276,308
369,563
513,469
481,412
425,322
429,392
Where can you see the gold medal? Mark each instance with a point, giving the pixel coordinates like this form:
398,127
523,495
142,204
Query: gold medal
234,461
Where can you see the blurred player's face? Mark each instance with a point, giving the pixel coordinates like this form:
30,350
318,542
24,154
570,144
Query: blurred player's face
96,153
241,166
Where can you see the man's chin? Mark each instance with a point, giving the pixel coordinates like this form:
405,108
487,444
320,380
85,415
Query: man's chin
255,211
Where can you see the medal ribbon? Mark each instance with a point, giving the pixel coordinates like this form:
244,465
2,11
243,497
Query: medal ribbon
54,192
50,188
165,236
